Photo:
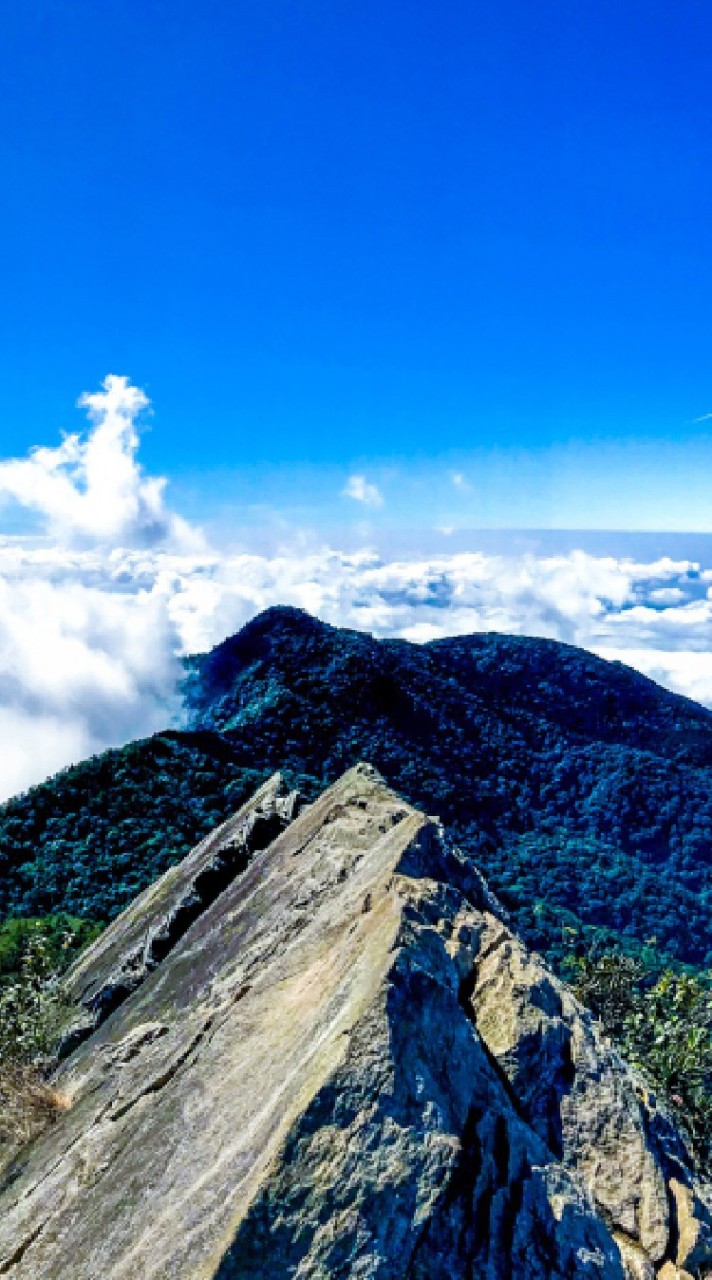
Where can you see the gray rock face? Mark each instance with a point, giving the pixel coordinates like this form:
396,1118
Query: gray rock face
143,936
341,1063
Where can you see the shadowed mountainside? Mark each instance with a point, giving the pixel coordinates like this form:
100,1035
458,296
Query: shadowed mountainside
582,789
575,783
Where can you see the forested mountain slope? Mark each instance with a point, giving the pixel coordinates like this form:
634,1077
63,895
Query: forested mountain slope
582,789
574,782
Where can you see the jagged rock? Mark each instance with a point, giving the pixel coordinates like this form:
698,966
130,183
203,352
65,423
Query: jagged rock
344,1065
143,936
571,1087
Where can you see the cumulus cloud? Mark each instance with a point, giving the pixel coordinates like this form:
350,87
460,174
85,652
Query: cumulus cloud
89,640
685,671
598,602
87,643
95,612
33,747
359,488
87,657
92,489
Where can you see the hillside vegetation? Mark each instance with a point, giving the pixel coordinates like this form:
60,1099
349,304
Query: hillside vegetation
582,789
577,785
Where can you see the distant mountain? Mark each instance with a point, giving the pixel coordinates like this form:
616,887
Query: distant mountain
582,789
577,785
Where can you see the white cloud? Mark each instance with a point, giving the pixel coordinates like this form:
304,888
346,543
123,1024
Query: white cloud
92,490
33,747
89,638
359,488
87,657
87,643
95,611
460,481
666,596
688,672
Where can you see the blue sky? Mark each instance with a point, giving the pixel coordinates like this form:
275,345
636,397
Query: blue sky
399,239
406,309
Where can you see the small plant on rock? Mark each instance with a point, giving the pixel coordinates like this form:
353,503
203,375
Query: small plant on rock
30,1019
662,1024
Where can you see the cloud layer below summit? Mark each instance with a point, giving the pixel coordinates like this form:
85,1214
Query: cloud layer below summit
110,586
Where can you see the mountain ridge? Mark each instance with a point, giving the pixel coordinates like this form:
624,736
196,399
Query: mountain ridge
514,739
343,1063
582,788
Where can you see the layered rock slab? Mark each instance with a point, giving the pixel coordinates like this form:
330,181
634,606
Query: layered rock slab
143,936
345,1065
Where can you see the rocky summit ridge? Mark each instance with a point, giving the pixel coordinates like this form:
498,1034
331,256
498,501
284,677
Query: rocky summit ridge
316,1048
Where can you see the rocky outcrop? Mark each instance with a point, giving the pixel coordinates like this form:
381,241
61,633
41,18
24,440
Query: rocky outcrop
339,1061
590,1109
124,955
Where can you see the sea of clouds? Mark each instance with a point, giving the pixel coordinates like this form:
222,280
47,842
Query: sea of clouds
99,602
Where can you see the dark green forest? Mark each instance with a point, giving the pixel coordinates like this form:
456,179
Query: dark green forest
580,788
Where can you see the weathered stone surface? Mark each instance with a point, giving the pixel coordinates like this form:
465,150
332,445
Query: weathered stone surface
589,1107
344,1065
147,931
693,1225
571,1087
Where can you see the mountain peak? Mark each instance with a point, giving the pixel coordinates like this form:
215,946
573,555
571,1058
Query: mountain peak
275,623
582,788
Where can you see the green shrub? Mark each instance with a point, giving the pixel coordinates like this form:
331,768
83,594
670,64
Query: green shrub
31,1011
30,1006
63,938
662,1024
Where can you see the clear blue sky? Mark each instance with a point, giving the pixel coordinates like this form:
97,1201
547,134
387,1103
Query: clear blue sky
327,232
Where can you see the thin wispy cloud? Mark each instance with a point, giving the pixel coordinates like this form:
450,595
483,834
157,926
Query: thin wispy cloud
361,490
460,481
